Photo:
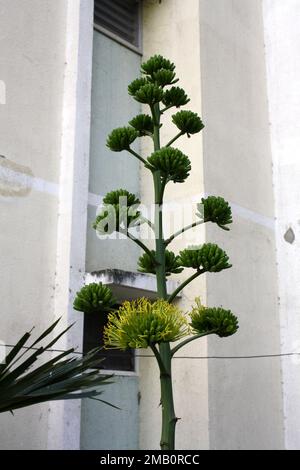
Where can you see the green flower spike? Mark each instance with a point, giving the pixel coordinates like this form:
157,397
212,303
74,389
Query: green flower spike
143,124
107,222
121,138
218,320
134,86
171,162
156,63
215,209
140,323
188,122
119,211
164,77
149,94
175,97
208,257
94,298
147,265
113,198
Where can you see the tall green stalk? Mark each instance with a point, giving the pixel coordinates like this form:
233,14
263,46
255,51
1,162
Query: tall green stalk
141,323
167,441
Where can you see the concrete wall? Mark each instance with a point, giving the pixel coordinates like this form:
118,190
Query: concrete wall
245,401
44,189
114,67
32,66
103,427
242,395
218,46
282,38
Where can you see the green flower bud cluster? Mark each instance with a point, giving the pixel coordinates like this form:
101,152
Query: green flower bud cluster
217,320
215,209
156,63
209,257
146,263
119,212
159,73
113,198
149,94
175,96
188,122
121,138
140,323
134,86
164,77
94,298
171,162
143,124
159,70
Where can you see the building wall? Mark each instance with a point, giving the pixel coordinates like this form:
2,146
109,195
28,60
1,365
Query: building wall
114,67
282,38
32,67
218,46
244,395
103,427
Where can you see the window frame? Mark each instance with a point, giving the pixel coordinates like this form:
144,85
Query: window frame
131,355
137,49
127,285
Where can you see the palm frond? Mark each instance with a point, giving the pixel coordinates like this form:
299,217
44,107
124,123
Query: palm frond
63,377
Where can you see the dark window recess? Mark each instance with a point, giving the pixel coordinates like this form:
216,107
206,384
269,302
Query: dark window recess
121,17
93,338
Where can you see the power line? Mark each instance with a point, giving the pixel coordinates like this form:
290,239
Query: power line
258,356
231,357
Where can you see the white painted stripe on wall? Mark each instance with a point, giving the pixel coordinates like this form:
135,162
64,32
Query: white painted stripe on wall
242,212
252,216
23,180
94,200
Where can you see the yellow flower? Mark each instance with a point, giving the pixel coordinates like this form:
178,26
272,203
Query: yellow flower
139,323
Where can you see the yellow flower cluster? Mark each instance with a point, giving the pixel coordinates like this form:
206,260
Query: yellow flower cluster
140,323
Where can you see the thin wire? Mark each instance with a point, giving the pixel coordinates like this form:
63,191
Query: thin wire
259,356
231,357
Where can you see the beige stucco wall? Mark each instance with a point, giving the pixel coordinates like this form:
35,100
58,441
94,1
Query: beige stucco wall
245,396
282,39
218,47
32,42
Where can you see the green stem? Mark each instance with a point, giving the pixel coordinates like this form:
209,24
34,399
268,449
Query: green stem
148,222
166,108
188,340
158,358
136,155
175,138
185,283
140,244
184,229
167,401
169,419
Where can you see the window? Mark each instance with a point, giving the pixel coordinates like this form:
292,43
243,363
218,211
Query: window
119,17
93,338
125,285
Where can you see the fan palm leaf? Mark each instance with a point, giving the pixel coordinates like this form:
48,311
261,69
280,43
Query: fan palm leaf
63,377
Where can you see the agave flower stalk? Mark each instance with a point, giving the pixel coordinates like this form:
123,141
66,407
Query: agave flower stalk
141,324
